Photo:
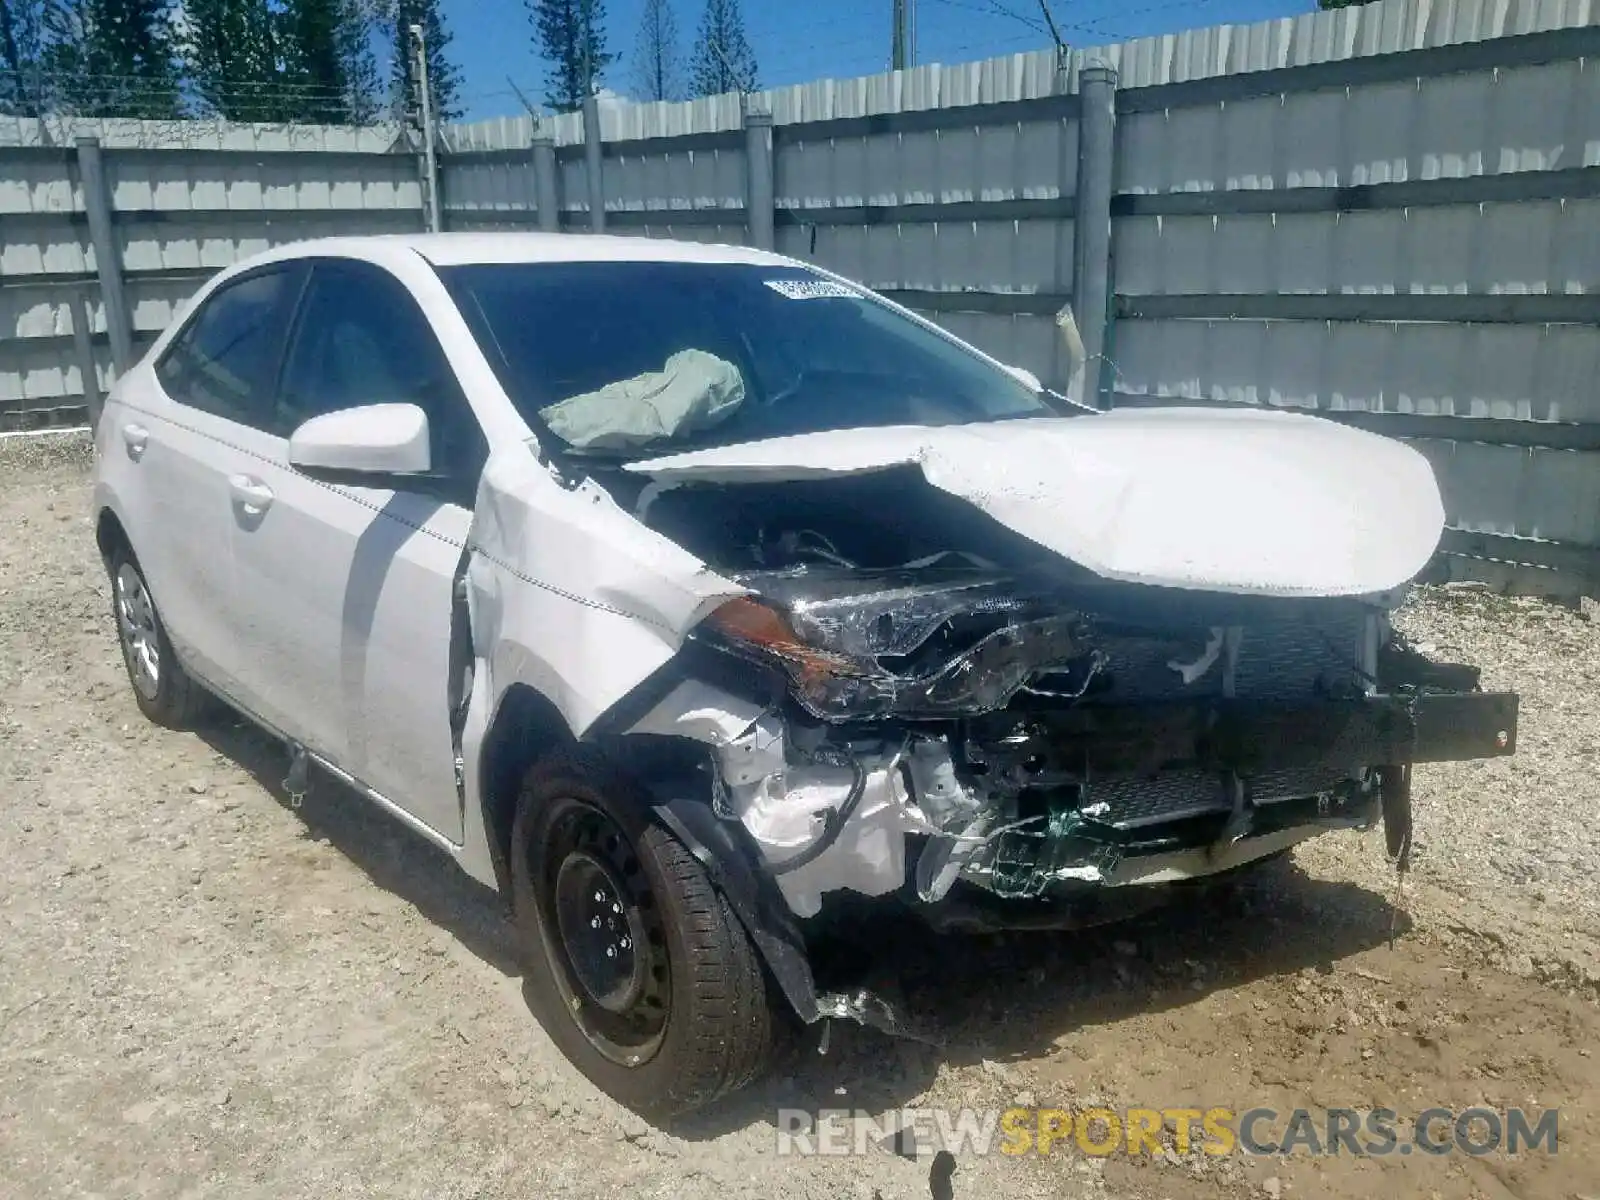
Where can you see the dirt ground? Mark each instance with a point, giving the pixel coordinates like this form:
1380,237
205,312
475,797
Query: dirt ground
204,992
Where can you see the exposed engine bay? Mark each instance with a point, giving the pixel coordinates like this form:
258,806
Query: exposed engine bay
913,699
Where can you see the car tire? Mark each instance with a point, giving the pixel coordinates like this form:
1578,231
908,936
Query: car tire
638,969
162,689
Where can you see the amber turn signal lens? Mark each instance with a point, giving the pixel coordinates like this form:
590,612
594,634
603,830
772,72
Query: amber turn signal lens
751,621
755,624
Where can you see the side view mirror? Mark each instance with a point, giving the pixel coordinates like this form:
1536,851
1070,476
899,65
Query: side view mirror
361,445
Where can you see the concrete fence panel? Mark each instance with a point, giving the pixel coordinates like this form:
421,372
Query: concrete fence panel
1387,214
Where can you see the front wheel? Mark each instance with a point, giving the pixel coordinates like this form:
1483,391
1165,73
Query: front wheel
638,969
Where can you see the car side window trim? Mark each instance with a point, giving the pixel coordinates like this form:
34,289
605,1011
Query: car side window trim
443,482
296,329
291,327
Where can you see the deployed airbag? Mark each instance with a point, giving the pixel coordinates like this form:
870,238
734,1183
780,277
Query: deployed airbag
694,391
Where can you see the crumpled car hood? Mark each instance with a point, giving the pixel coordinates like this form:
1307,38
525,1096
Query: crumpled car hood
1247,502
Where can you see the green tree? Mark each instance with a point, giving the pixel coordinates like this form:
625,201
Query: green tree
443,77
326,50
723,59
570,36
360,68
21,72
309,35
1325,4
308,61
112,58
657,65
230,57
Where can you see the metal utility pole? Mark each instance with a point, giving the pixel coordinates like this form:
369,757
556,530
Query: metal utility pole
904,52
430,161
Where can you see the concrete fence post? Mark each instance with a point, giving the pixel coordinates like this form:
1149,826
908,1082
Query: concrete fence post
592,163
107,253
83,348
1091,278
758,180
546,183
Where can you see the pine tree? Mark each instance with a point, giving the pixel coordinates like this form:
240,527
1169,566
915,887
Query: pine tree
21,72
357,64
657,66
230,56
309,37
723,60
327,60
570,36
112,58
443,78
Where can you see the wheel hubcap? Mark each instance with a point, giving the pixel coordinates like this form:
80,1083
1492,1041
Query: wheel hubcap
609,948
136,627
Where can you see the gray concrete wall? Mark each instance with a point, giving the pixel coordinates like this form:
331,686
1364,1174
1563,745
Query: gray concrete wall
185,199
1387,214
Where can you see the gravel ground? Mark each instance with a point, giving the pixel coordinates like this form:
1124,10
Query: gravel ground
204,992
1507,850
1550,790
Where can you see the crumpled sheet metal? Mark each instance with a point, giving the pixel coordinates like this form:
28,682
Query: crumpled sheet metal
571,595
708,714
1246,502
868,857
778,801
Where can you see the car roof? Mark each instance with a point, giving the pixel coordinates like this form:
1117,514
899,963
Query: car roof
465,249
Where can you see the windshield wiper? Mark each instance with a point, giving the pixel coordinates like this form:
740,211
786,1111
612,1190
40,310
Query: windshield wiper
599,453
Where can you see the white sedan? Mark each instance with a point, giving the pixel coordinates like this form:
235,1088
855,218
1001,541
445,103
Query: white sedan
685,593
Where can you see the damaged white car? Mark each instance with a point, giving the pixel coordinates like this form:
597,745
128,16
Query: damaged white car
681,592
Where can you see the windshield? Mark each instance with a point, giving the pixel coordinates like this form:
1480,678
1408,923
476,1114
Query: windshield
633,358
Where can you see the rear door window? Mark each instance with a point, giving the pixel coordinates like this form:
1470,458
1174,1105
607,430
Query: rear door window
226,359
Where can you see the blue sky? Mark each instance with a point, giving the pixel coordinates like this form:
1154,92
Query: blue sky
796,42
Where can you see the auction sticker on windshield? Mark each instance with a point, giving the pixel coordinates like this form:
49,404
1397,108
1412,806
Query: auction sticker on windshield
811,289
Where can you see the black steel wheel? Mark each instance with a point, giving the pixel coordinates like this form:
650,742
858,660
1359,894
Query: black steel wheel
637,967
610,947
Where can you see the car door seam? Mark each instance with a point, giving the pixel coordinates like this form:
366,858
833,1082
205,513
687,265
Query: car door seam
543,585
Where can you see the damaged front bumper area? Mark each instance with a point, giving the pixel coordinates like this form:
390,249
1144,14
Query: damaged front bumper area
964,743
1185,790
1049,806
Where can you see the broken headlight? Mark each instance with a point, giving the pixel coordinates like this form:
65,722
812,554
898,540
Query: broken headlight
867,613
833,647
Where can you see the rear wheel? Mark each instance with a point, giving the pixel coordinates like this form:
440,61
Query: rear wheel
638,969
162,689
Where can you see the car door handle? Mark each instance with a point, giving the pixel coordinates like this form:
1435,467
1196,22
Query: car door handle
135,438
250,494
